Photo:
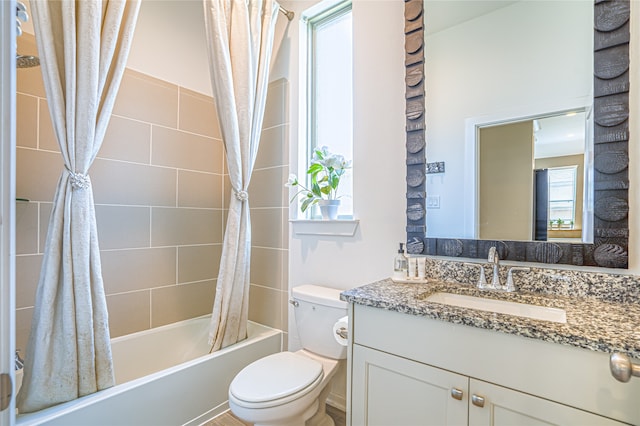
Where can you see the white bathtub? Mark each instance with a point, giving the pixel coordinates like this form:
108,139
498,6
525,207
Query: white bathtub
164,376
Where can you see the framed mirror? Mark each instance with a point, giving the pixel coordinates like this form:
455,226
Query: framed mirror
589,227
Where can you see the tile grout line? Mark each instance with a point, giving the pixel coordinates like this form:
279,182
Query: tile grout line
150,309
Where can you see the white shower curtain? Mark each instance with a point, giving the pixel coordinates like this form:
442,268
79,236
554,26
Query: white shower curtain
240,40
83,46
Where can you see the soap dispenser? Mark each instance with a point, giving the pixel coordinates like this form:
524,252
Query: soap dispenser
400,265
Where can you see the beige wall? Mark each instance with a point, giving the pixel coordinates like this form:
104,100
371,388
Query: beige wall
506,179
159,187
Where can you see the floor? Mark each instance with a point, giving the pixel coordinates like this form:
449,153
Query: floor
228,419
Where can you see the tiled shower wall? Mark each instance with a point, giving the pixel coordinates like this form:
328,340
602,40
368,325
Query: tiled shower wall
269,208
161,194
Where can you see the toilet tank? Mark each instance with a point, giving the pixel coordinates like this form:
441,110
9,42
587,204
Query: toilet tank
316,311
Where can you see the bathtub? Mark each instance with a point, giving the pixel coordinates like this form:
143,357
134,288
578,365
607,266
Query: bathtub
164,376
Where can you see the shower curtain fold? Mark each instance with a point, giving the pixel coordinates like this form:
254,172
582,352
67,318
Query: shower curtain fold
240,41
83,46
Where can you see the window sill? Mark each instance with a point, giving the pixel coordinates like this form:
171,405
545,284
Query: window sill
339,227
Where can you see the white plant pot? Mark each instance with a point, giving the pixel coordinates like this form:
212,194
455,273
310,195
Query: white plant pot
329,209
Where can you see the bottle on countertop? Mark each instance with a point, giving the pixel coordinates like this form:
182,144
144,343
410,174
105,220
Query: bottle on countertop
400,265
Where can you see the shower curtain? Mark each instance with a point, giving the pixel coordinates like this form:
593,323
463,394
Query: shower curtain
83,46
240,40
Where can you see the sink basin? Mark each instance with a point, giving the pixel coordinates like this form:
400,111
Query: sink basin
501,306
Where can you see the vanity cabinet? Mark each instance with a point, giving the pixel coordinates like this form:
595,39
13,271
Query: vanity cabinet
391,390
409,370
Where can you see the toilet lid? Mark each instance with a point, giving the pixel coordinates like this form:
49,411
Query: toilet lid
275,377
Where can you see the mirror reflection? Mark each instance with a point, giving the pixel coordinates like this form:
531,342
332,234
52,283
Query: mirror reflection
495,67
538,165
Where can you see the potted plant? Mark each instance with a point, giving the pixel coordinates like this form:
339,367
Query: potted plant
325,171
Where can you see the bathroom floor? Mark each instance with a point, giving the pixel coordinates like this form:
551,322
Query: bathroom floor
228,419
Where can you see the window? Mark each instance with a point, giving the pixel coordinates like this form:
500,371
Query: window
329,111
562,196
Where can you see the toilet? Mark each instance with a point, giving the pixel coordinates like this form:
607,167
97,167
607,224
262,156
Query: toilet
290,388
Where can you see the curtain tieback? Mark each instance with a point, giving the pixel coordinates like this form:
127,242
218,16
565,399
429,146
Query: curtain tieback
78,180
242,195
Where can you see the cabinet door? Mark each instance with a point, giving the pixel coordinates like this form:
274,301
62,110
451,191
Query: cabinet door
503,406
389,390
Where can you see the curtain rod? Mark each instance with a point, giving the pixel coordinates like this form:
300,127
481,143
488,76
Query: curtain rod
288,13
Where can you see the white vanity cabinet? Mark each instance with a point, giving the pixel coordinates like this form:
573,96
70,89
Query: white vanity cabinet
390,390
409,370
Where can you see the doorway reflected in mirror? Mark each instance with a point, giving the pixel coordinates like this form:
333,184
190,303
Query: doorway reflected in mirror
515,199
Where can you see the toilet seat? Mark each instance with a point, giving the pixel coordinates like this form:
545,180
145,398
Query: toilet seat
275,380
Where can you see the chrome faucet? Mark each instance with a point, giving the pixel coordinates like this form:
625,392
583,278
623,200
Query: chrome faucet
494,259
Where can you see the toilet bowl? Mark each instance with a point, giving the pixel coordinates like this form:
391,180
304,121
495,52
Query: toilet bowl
290,388
282,389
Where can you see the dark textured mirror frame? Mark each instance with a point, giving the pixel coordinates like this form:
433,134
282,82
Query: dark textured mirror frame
611,158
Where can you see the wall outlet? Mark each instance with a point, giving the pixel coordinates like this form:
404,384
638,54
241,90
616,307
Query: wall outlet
433,201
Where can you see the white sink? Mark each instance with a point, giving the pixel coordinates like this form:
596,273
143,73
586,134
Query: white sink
501,306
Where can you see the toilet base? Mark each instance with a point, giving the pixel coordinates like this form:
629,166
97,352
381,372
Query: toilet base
294,421
321,418
316,415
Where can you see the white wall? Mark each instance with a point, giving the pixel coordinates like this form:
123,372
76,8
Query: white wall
524,57
379,156
169,43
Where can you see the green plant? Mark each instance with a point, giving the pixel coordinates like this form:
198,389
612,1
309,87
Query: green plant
325,172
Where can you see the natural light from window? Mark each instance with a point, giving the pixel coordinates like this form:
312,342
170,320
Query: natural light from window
562,196
329,102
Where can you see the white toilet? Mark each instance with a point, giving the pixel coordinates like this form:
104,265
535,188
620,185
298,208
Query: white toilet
290,388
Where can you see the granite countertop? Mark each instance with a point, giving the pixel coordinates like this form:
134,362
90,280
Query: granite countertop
602,326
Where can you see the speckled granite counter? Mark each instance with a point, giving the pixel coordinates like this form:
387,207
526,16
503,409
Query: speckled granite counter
594,324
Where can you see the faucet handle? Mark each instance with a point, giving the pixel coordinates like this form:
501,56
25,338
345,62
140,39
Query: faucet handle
494,257
510,284
482,280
